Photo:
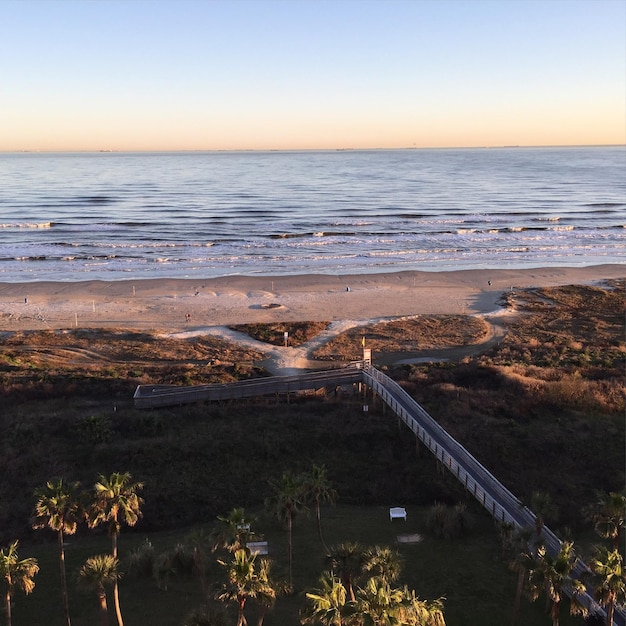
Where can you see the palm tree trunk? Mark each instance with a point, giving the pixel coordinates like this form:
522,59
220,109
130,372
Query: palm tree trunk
104,609
241,618
66,602
116,589
518,594
199,563
556,611
8,603
261,618
289,547
610,609
116,600
318,515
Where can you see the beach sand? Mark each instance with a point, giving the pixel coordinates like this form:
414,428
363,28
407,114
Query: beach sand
176,305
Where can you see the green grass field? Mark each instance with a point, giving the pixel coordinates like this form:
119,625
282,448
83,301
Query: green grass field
469,572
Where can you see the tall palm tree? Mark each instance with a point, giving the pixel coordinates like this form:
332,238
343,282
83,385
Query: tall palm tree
242,582
286,501
609,580
98,573
16,574
608,515
328,604
58,508
116,502
318,490
552,576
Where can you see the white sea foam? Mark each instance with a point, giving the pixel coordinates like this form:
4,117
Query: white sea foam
26,225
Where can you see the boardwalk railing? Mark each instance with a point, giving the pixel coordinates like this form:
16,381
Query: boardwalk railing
486,489
151,396
503,506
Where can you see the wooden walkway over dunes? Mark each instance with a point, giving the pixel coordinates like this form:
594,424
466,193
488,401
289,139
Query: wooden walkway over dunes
503,506
151,396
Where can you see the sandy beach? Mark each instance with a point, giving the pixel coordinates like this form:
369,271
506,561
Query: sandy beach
175,305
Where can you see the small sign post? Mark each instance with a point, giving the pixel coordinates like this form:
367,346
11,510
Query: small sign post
367,355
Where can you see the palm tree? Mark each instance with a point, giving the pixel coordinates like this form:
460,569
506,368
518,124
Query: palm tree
98,573
552,575
242,582
286,501
58,508
199,542
416,612
609,580
268,589
382,562
233,531
523,560
378,604
346,560
328,604
116,501
16,574
544,508
318,491
607,515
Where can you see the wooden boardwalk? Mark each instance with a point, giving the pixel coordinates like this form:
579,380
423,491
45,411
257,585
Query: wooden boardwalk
503,506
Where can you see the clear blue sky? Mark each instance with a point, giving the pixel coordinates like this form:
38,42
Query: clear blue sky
257,74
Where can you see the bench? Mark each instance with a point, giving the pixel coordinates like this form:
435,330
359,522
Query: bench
397,512
258,547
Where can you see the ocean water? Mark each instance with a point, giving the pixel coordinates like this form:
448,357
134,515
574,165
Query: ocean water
83,216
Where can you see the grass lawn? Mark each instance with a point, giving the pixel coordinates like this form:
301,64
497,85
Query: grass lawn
470,572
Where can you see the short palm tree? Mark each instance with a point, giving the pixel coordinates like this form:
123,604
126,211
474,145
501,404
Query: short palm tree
268,589
416,612
116,501
317,491
608,515
346,561
242,582
98,573
328,604
544,508
378,604
522,561
16,574
233,531
286,501
609,580
58,508
552,575
382,562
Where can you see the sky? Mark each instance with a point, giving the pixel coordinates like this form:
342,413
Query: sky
310,74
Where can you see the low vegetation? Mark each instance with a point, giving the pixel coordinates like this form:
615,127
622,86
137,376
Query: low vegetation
543,410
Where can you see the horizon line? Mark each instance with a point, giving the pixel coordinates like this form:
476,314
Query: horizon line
343,149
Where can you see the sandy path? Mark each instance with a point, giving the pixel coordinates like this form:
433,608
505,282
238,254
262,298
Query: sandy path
287,360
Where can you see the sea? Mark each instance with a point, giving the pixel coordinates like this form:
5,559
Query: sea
116,216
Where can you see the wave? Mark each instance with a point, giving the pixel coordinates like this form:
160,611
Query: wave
26,225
